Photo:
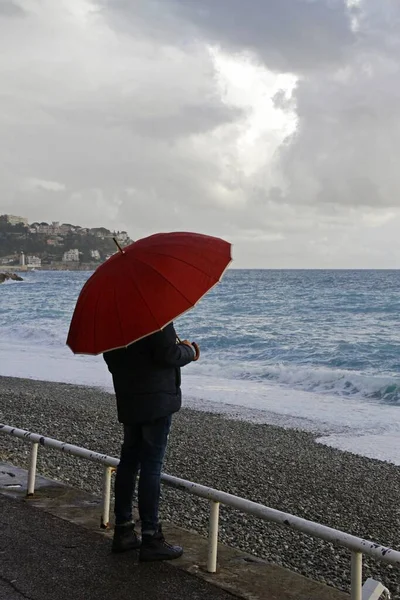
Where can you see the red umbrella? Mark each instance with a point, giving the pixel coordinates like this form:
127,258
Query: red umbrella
144,287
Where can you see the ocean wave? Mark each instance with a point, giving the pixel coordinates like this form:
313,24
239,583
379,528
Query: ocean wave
336,382
52,333
35,334
318,380
12,282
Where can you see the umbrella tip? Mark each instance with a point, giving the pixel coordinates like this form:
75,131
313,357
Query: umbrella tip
118,246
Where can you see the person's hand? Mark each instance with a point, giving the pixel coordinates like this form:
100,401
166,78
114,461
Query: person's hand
197,348
193,345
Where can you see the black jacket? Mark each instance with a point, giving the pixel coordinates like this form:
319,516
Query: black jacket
147,377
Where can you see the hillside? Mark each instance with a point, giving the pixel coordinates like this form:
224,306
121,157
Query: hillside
50,242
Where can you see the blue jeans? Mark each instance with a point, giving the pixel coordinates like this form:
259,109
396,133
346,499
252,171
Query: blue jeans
143,447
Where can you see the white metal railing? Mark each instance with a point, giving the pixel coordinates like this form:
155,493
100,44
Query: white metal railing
357,546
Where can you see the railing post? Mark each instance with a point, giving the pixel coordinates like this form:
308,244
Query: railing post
356,576
32,470
213,537
105,511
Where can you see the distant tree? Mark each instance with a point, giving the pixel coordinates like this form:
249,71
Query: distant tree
20,228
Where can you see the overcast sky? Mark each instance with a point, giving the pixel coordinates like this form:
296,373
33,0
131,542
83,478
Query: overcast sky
274,124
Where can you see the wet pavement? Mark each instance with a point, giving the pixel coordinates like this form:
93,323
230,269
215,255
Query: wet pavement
43,557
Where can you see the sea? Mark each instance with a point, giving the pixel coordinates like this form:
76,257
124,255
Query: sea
317,350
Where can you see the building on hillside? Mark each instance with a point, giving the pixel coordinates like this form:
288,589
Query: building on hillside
7,260
13,220
65,228
123,237
71,255
33,261
52,229
95,254
44,229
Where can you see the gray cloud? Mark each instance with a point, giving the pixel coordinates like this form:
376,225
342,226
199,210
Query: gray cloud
289,35
121,117
186,117
344,150
8,8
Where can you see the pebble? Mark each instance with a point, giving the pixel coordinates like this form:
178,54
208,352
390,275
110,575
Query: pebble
281,468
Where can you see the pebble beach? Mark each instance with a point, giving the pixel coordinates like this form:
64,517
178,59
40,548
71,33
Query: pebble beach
279,467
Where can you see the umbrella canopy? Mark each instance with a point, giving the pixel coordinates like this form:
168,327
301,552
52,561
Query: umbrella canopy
144,287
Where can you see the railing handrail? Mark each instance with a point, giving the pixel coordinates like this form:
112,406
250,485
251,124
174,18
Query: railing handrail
65,447
355,544
314,529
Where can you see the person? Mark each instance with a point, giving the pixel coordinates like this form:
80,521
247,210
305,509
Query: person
147,383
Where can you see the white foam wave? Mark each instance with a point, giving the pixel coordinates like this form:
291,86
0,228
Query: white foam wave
320,380
337,381
40,333
11,282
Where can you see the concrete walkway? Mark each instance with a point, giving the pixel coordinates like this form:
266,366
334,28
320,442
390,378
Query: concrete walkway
43,557
51,548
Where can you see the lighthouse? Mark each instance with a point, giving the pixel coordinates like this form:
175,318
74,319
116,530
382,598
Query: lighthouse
22,260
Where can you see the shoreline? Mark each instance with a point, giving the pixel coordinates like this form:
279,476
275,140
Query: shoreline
277,466
60,267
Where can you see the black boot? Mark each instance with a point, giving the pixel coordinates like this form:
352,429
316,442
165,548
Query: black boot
125,538
154,547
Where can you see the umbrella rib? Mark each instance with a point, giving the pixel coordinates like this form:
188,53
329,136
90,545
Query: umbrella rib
118,313
201,297
170,282
163,245
182,261
186,263
143,298
95,319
